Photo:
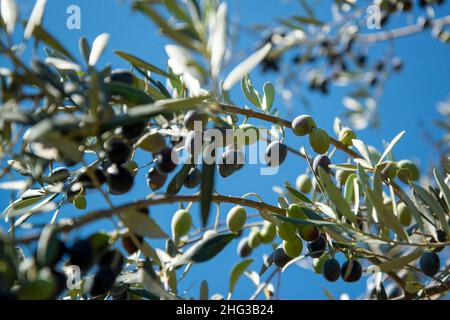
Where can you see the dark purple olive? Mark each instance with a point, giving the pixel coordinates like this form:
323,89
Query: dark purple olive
351,270
112,259
119,179
117,152
243,249
193,179
331,270
323,162
133,131
102,282
430,263
166,161
275,154
123,76
81,255
155,180
280,258
318,247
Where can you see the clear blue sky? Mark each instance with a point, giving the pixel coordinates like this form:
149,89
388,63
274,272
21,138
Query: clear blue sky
408,103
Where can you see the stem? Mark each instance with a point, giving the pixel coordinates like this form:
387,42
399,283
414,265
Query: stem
264,284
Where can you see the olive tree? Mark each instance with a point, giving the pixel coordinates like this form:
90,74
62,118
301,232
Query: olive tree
70,128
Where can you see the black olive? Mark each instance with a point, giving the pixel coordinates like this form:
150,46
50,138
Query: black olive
318,247
232,161
275,154
123,76
280,258
351,271
155,180
117,152
129,245
85,179
193,179
81,255
119,179
331,270
102,282
113,259
243,249
166,161
133,131
193,117
430,263
323,162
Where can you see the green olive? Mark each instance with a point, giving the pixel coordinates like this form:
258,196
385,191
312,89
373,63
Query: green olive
254,238
286,231
293,248
236,218
303,183
404,214
319,141
181,222
268,232
409,165
346,136
296,212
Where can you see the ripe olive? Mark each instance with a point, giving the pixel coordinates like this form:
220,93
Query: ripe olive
280,258
196,116
133,131
254,238
430,263
119,179
351,270
346,136
81,255
405,166
317,248
404,214
275,154
155,180
85,178
243,249
236,218
441,237
123,76
58,174
303,125
117,152
319,141
112,259
129,245
247,134
331,270
268,232
286,231
73,190
181,222
321,161
102,281
166,161
303,183
193,179
232,161
309,232
194,143
293,248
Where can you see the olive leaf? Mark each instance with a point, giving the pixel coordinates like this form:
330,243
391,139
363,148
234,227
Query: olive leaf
35,18
142,224
249,91
139,63
398,263
246,66
204,250
443,187
237,272
297,194
302,222
207,186
362,148
28,198
42,35
178,180
152,283
98,46
391,146
433,205
131,95
267,262
335,195
85,49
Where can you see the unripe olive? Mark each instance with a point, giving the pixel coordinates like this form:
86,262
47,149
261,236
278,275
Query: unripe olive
194,116
268,232
303,183
323,162
404,214
247,134
296,212
303,125
319,141
243,249
152,142
193,179
318,263
309,232
331,270
155,180
317,248
166,161
123,76
79,201
351,271
346,136
117,152
58,174
280,258
293,248
430,263
286,231
181,222
254,238
236,218
408,165
390,170
119,179
275,154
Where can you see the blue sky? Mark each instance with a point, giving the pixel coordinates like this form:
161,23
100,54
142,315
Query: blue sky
408,103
